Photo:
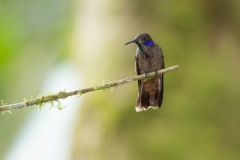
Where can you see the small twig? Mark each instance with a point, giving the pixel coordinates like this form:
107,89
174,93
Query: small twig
62,94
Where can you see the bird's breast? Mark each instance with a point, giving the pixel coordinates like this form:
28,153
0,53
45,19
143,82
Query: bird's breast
149,64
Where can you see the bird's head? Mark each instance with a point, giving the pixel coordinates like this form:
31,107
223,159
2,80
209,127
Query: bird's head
142,40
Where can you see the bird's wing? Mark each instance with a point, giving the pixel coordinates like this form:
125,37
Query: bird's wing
137,69
161,80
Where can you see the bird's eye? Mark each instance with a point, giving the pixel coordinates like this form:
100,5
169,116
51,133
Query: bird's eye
143,39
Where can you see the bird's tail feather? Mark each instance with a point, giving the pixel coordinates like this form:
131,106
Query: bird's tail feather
143,101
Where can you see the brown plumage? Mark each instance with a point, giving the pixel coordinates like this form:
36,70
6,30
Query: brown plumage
149,58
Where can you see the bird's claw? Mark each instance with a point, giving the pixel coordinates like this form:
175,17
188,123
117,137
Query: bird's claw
146,75
156,72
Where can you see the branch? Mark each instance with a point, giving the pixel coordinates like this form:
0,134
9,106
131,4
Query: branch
50,98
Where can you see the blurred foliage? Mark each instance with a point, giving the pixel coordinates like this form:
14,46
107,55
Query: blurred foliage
33,36
199,118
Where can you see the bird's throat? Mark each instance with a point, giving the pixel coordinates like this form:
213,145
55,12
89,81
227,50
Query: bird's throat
140,46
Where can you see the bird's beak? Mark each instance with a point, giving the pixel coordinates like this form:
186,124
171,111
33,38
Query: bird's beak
133,41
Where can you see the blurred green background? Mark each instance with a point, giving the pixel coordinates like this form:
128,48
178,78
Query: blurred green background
200,115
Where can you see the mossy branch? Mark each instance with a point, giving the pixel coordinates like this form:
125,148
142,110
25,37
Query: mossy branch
50,98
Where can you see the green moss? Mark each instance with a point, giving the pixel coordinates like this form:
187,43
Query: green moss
7,111
80,92
59,105
97,87
40,98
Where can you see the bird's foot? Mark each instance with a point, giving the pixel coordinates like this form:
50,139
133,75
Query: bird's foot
146,75
156,72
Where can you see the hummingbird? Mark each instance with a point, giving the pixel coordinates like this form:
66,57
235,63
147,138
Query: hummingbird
148,58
